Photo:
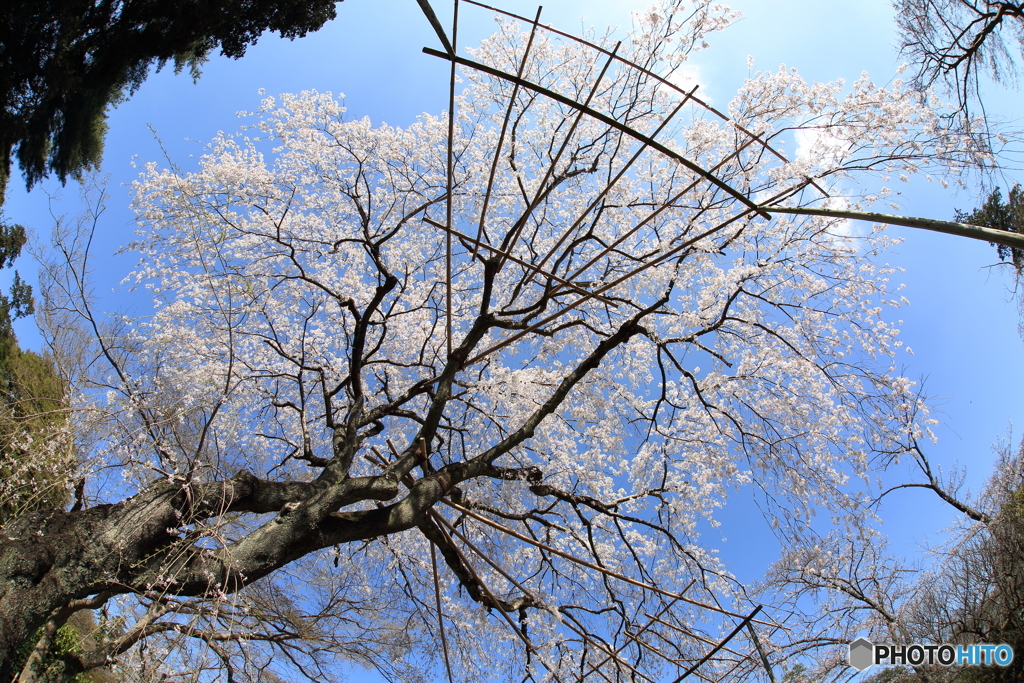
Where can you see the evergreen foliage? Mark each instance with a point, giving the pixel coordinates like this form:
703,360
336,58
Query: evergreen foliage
19,303
65,641
64,62
36,459
999,215
68,640
34,464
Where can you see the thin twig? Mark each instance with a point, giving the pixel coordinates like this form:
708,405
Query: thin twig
591,565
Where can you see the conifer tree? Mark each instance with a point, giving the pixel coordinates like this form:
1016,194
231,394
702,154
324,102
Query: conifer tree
34,466
999,215
64,62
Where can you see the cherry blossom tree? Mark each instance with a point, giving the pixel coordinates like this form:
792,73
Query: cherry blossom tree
458,399
951,42
843,586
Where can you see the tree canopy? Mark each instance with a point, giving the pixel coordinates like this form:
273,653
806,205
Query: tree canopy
476,385
971,593
954,42
63,63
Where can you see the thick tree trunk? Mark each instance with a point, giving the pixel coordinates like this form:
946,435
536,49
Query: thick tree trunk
50,558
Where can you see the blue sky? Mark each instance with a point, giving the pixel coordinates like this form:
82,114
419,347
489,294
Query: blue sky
961,324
